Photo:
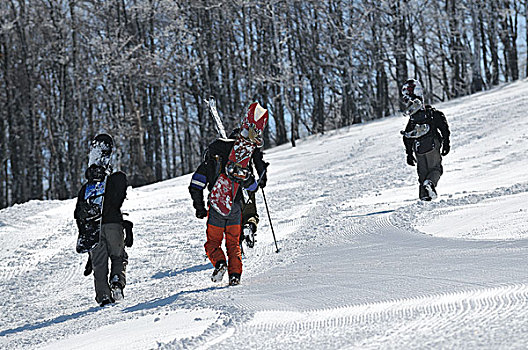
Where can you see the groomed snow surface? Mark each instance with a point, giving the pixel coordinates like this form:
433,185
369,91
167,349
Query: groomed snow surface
362,264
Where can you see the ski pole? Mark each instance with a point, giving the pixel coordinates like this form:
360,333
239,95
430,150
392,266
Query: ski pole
258,183
269,218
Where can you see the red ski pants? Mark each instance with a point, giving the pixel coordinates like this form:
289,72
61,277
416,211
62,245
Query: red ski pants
216,227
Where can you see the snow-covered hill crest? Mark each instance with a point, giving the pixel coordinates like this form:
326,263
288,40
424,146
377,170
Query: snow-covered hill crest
362,263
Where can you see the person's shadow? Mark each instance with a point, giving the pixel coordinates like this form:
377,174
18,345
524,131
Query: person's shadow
142,306
168,300
171,273
43,324
371,214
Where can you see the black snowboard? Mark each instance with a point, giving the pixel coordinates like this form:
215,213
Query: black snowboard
90,216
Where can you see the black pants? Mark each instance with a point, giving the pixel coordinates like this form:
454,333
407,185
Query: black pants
429,167
111,245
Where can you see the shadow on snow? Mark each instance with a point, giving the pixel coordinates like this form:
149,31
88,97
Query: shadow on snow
170,273
43,324
168,300
371,214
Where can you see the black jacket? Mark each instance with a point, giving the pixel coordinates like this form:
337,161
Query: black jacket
437,123
213,164
115,194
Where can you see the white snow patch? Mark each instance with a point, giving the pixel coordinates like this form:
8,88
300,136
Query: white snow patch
141,333
362,262
492,219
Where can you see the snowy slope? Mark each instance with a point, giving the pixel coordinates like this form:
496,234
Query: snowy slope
362,263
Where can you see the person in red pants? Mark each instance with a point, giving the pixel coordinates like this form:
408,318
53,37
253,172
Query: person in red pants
214,163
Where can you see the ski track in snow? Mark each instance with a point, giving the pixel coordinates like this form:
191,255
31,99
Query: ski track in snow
401,320
362,263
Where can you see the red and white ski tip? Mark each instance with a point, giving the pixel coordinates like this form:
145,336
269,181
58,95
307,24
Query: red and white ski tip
257,115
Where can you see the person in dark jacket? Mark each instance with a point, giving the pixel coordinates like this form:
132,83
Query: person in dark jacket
250,217
214,163
426,139
111,240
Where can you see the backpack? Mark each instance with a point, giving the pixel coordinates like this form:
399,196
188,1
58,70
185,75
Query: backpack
426,142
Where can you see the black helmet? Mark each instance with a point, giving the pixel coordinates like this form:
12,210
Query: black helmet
101,149
412,94
103,139
412,89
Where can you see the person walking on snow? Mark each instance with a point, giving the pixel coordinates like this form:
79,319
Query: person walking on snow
250,217
426,139
111,240
215,162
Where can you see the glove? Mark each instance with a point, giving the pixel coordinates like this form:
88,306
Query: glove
129,236
201,212
250,183
263,181
88,267
411,160
445,148
198,204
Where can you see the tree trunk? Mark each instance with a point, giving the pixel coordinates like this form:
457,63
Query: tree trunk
526,31
476,78
455,48
508,35
487,72
5,112
493,19
400,47
141,174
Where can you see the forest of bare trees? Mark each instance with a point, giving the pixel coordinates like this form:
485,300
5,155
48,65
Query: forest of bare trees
140,69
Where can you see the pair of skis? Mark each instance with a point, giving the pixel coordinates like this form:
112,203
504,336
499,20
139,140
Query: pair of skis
218,122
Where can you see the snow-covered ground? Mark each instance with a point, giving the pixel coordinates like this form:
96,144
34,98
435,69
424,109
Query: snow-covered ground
362,263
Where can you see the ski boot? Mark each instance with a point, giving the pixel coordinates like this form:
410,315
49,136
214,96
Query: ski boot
117,289
423,194
105,300
234,279
219,271
249,235
430,188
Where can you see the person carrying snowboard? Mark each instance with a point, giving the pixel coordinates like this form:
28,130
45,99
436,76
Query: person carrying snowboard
111,238
426,139
250,217
225,168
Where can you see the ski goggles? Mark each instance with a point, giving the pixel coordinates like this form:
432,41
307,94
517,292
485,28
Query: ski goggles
253,134
411,91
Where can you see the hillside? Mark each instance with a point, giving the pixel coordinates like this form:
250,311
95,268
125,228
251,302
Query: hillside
362,263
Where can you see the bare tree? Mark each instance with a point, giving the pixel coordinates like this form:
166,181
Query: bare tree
140,71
